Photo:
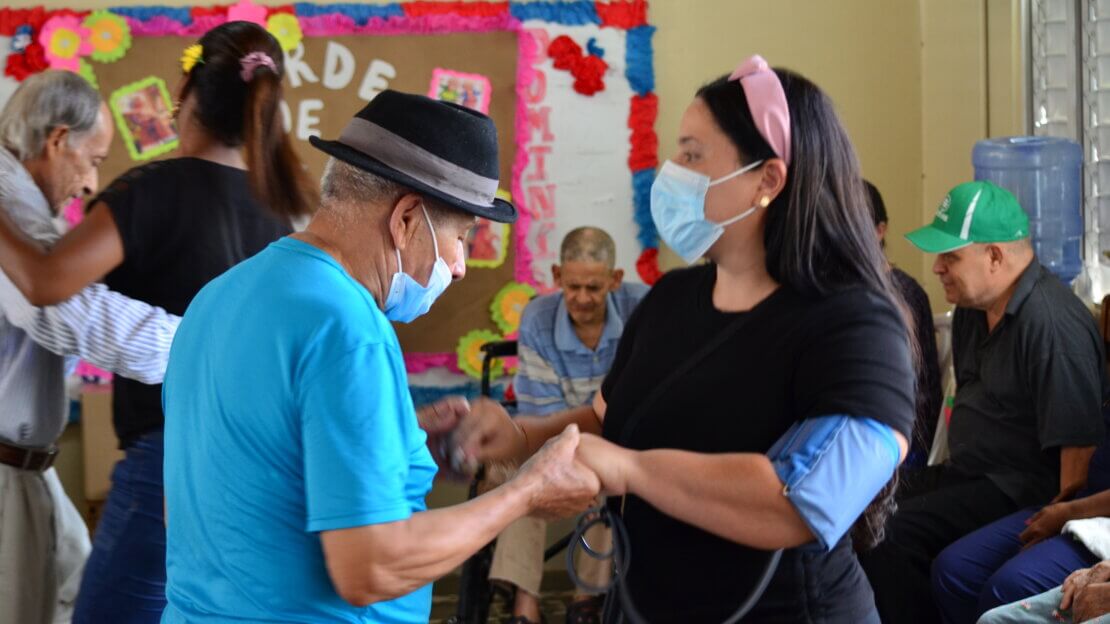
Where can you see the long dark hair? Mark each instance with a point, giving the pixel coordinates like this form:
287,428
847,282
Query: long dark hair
246,113
819,236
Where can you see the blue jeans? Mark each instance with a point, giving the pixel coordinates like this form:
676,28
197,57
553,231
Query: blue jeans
125,577
987,568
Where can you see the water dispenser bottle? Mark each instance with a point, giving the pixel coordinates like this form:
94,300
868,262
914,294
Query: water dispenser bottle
1045,174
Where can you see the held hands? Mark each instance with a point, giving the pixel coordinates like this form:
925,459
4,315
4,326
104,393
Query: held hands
613,464
559,484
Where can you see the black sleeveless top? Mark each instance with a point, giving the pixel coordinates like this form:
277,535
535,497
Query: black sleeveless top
794,358
183,222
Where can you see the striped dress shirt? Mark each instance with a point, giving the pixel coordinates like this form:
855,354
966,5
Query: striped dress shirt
105,328
556,371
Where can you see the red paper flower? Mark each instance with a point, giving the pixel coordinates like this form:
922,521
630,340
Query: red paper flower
648,266
565,52
588,70
32,61
588,75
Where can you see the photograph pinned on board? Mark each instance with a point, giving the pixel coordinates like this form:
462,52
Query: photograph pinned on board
487,245
144,115
469,90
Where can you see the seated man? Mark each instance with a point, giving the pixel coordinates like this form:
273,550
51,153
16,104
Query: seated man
1027,552
567,342
1029,372
928,372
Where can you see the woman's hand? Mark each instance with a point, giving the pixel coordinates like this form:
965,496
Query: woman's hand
1046,523
613,464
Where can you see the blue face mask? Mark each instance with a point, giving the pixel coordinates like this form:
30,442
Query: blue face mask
407,299
678,208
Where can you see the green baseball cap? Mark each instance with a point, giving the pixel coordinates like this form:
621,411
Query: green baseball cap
973,212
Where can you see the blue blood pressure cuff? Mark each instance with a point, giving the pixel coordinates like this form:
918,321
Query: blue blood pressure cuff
831,468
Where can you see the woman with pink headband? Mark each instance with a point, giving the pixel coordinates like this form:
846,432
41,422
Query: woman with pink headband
159,233
761,401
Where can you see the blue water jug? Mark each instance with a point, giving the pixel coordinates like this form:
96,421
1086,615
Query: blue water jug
1045,174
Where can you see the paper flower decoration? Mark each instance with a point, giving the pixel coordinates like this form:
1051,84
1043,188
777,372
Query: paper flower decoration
588,70
508,305
247,11
470,353
190,57
32,61
109,35
85,70
21,38
286,29
65,41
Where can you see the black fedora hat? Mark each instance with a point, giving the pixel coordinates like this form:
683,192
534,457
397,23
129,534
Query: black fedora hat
436,148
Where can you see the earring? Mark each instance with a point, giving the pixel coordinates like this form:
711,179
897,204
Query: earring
766,201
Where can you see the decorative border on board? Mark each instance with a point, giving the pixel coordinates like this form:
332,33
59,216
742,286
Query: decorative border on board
424,17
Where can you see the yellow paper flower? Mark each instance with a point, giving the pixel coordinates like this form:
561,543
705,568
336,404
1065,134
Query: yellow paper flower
508,306
286,29
190,57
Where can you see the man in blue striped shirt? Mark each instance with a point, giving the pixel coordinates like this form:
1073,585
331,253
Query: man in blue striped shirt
568,340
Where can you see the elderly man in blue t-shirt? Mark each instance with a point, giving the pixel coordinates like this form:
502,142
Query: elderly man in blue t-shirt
296,466
568,340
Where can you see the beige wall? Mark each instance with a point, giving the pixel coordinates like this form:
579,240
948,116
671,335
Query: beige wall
866,54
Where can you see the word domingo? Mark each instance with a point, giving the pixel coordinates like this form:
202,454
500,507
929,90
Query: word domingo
338,74
538,188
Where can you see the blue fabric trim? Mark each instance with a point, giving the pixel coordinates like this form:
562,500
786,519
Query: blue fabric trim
565,13
144,13
641,202
831,468
639,58
360,13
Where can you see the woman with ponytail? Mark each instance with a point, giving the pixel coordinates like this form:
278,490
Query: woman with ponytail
159,233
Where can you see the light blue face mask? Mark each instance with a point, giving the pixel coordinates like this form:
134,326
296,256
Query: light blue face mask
407,299
678,208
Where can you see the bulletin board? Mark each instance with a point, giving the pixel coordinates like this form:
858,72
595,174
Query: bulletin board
570,86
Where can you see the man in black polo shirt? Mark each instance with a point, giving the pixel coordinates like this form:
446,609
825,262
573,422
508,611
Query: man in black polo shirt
1030,383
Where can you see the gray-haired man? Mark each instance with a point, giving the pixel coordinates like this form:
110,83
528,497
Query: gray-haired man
54,132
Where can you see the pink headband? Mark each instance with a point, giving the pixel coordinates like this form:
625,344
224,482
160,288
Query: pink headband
767,101
253,61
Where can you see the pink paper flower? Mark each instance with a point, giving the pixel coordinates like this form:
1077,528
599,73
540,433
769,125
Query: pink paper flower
247,11
64,41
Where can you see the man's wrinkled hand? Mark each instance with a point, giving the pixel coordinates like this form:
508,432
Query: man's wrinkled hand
561,485
440,420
